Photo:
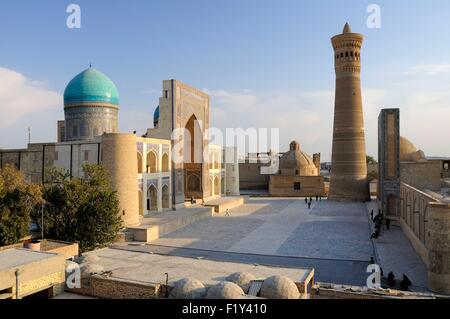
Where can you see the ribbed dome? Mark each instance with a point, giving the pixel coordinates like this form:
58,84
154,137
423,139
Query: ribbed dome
91,85
299,161
409,152
406,146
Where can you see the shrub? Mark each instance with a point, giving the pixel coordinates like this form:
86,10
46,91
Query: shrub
83,210
18,200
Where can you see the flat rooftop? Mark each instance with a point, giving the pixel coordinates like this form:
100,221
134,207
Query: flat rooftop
151,268
16,257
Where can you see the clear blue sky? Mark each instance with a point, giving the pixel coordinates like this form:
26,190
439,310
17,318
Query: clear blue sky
236,50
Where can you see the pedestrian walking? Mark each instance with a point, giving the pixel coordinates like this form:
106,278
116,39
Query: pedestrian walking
391,280
405,283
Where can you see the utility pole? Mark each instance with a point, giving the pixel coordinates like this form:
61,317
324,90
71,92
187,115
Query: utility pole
17,273
29,135
42,222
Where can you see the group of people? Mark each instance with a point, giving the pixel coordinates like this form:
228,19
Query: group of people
404,284
378,223
309,203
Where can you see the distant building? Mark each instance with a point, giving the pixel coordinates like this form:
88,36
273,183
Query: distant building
143,170
414,192
298,174
31,274
251,176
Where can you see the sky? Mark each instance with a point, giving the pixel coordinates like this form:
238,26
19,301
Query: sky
265,64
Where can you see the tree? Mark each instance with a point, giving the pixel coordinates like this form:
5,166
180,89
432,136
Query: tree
83,210
371,160
18,200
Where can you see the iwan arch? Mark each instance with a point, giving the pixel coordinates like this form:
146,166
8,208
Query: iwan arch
143,171
183,117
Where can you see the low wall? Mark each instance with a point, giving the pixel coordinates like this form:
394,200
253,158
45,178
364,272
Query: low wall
414,210
418,246
284,186
320,293
67,249
439,248
330,291
421,175
425,221
99,286
222,205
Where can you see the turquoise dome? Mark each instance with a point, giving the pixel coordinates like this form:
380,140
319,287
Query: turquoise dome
156,115
91,85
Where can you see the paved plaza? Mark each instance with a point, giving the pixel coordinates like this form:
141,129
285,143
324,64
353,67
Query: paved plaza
282,227
332,238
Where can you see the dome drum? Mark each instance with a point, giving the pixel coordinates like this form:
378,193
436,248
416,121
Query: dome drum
91,106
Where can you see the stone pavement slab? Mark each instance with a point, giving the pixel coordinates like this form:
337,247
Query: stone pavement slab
282,227
395,253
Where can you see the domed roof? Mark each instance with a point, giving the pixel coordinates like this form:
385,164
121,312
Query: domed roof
156,115
409,152
297,160
406,146
91,85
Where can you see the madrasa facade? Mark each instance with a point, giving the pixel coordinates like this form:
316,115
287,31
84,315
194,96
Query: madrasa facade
148,178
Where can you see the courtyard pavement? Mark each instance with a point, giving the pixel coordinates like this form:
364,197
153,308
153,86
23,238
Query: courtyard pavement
333,238
395,253
282,227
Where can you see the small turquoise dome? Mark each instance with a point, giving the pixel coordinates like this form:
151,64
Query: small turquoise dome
91,85
156,116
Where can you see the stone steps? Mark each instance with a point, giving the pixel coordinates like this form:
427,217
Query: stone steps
221,205
155,227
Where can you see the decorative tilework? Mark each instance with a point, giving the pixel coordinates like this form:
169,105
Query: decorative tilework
140,147
153,147
151,182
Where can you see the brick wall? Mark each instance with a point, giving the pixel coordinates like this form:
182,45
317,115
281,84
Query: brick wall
113,288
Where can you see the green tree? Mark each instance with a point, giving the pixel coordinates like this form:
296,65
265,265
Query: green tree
370,160
83,210
18,200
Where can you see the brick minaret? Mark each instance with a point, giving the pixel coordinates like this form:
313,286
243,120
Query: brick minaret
349,168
